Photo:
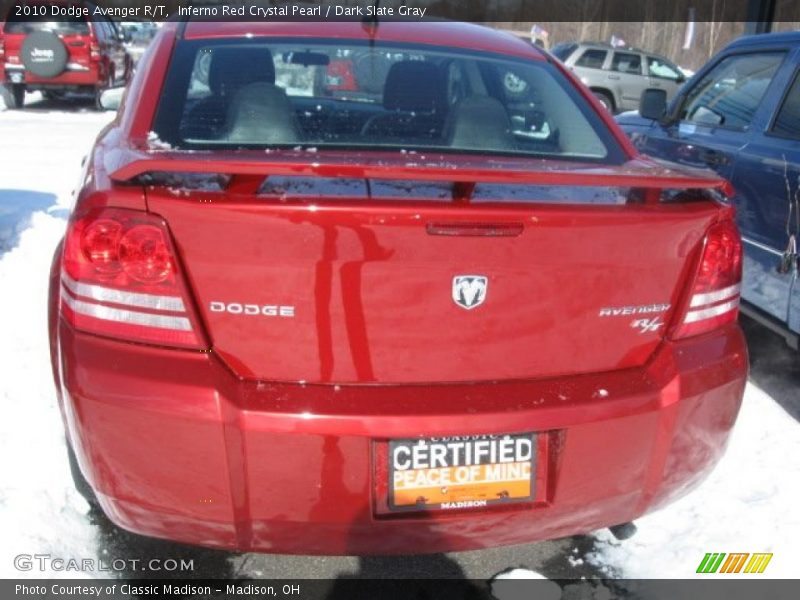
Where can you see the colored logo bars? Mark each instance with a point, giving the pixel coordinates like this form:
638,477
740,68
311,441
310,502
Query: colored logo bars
717,562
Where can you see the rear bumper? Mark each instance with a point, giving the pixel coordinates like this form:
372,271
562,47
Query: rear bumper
177,447
75,76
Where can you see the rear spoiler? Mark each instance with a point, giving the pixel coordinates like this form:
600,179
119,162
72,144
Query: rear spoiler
462,171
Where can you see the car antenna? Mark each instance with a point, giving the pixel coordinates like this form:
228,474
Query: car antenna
370,23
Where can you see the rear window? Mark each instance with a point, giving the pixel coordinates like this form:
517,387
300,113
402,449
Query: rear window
319,94
28,24
625,62
592,59
563,50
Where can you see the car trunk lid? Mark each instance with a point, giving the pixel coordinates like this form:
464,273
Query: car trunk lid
335,278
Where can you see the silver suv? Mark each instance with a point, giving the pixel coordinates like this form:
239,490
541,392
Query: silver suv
618,76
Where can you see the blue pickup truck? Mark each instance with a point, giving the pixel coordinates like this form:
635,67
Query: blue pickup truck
740,115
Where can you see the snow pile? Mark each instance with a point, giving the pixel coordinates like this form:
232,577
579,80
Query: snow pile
518,573
507,586
748,504
156,143
40,512
42,150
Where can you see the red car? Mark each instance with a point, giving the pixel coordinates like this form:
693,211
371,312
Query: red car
458,312
58,47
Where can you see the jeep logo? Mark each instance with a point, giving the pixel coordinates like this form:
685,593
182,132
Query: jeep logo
266,310
40,55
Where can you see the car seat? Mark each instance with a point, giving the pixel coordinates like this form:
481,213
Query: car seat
479,123
261,113
415,96
230,70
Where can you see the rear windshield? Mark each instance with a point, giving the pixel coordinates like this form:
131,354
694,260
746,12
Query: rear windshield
326,94
563,50
28,24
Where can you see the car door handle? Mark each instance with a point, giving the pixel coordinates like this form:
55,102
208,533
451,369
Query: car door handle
713,158
614,77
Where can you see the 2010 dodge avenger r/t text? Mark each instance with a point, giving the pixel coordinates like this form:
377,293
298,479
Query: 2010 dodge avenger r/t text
397,288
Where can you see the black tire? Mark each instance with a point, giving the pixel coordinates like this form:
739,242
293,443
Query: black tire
17,95
606,100
81,485
127,72
44,54
97,95
13,95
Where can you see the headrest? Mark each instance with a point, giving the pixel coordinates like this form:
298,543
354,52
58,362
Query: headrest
414,86
261,114
232,68
480,122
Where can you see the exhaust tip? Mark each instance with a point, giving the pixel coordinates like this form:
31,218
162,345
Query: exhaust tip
623,531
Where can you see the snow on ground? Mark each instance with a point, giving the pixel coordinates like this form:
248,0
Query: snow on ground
748,504
504,586
39,511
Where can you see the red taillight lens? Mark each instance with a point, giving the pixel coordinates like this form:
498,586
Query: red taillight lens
94,52
100,245
145,255
2,49
714,300
121,278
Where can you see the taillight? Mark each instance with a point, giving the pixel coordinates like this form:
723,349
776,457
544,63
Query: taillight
94,52
714,300
120,277
2,49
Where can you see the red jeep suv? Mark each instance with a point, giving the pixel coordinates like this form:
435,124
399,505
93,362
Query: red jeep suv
57,47
451,308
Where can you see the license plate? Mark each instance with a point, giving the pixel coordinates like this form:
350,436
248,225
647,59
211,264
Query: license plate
16,77
461,472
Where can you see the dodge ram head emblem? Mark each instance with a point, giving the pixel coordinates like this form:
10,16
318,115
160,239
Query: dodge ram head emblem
469,291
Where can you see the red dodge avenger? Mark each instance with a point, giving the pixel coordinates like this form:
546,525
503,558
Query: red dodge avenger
445,306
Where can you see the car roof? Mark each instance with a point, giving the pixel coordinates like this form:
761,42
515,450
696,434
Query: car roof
786,38
607,46
439,33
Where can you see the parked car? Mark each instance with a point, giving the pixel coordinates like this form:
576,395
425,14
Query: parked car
40,52
138,36
138,33
618,76
740,116
288,322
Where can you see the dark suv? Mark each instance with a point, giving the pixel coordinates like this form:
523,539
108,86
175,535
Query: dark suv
56,54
